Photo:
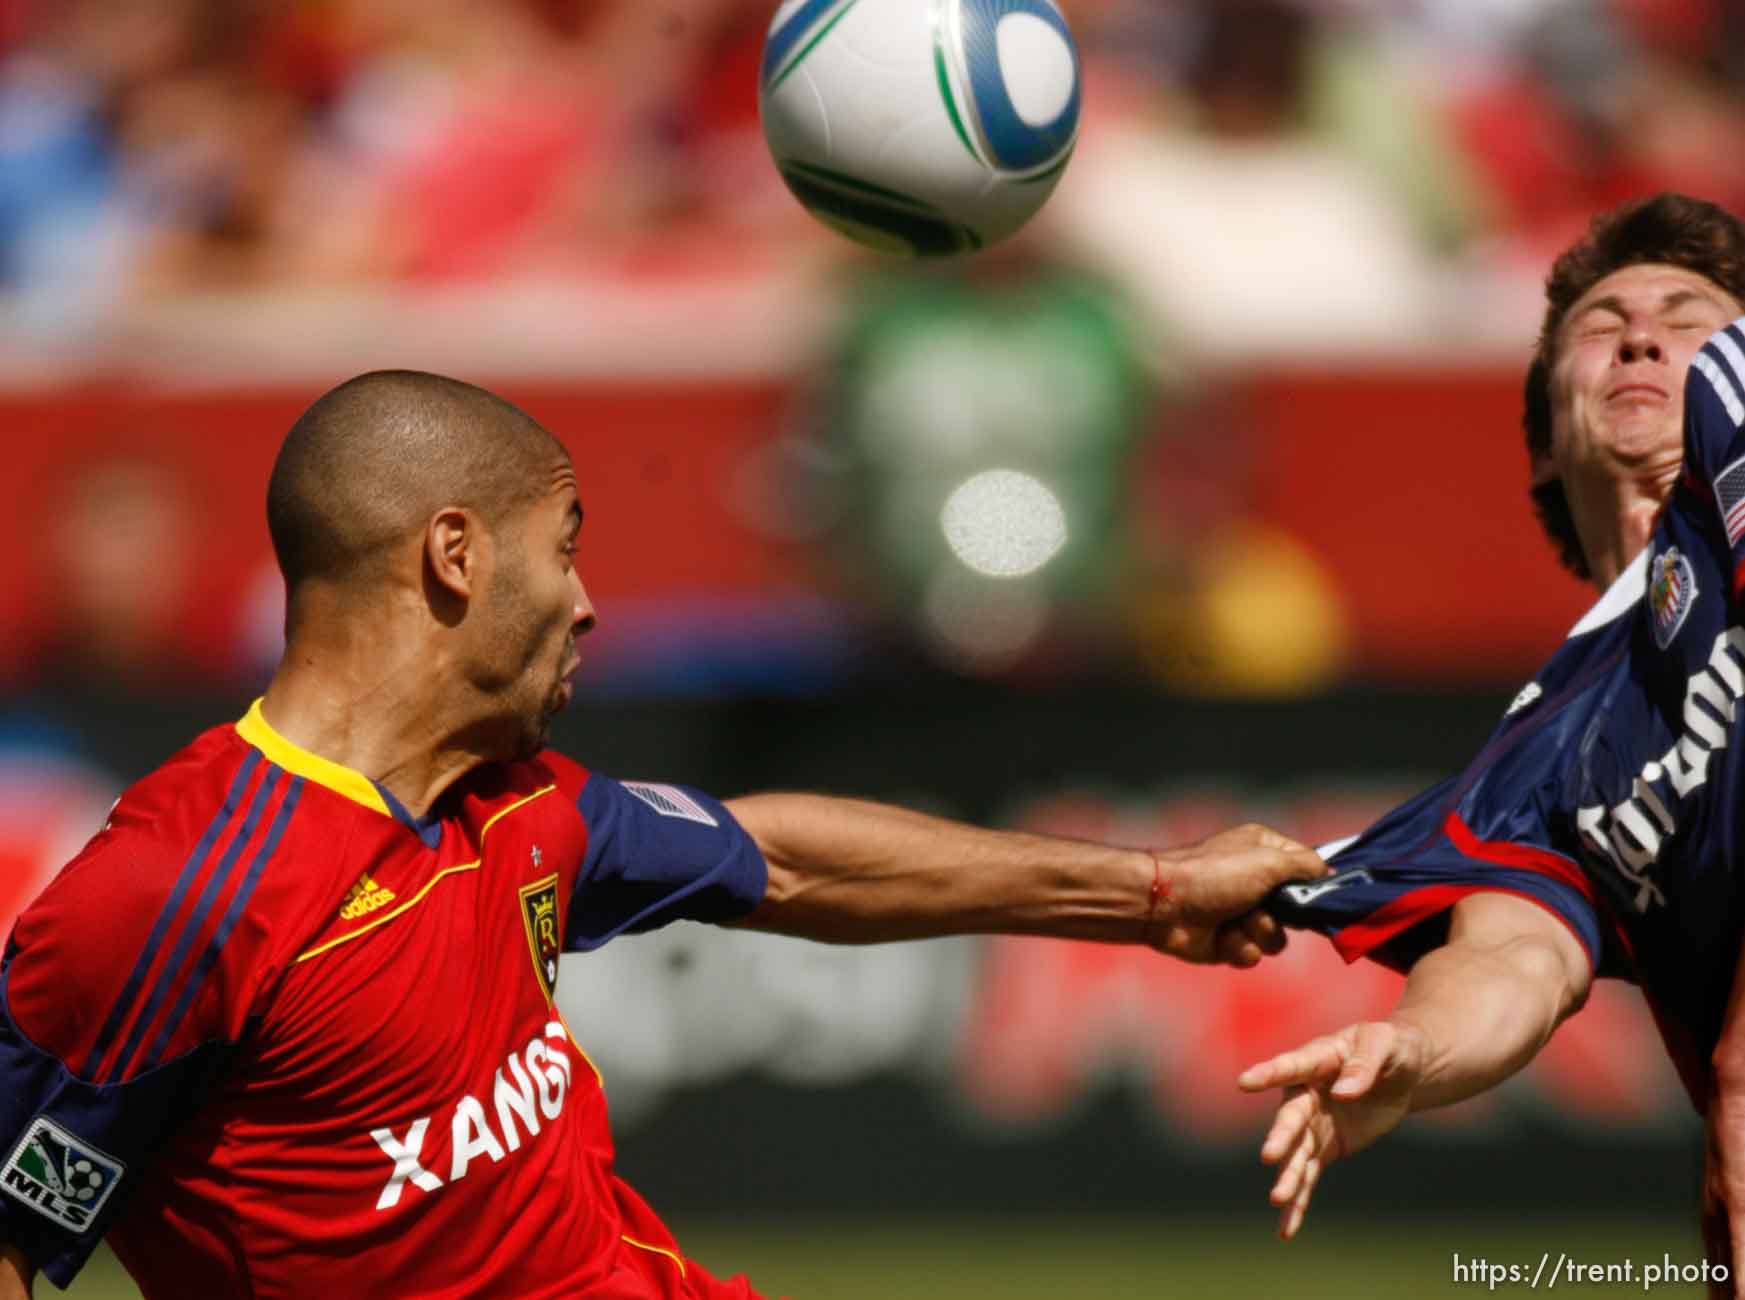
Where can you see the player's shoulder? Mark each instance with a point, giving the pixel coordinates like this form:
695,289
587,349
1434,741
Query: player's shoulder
548,784
128,921
1574,678
157,822
551,767
1715,395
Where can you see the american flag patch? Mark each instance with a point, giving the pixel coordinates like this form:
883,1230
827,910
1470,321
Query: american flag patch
1730,496
670,801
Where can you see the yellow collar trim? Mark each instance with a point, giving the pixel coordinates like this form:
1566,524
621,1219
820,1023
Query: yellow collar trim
348,781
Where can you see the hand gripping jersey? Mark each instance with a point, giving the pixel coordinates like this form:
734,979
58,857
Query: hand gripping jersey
276,1037
1613,791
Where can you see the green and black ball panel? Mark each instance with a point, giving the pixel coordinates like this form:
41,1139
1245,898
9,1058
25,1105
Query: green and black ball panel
881,218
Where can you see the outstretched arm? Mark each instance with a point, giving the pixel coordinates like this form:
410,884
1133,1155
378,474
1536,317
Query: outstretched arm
849,871
1473,1012
15,1274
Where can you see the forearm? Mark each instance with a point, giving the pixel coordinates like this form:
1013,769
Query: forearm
849,871
15,1274
1482,1012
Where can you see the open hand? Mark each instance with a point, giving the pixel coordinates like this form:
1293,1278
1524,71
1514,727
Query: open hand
1342,1092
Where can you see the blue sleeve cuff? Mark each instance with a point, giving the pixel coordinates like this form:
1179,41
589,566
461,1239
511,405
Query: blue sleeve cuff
657,854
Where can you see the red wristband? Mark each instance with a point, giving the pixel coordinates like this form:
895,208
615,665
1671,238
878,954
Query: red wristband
1159,891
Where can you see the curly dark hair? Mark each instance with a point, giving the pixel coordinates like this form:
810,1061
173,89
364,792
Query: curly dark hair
1674,229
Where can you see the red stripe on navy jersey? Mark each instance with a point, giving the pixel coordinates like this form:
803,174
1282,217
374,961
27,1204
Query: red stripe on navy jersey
1505,854
1397,915
1545,862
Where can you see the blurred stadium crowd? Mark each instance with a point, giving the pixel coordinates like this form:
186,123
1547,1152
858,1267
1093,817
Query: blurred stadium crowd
268,195
260,191
192,146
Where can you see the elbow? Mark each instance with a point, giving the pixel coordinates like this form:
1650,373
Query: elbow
1561,969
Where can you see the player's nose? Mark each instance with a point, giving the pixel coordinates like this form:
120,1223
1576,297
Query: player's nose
1640,341
584,617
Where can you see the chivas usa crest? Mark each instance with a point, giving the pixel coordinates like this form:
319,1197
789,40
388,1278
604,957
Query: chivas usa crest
1672,586
539,916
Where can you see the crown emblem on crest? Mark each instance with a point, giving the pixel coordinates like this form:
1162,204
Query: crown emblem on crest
540,920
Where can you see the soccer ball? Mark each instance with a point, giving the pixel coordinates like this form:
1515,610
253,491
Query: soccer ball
84,1181
925,127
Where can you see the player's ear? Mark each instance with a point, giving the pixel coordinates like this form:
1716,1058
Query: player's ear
452,540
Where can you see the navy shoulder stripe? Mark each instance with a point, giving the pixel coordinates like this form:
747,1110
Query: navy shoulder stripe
1722,362
172,905
232,914
237,841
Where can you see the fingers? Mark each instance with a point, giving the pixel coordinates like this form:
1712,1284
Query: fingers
1232,947
1299,864
1289,1124
1298,1139
1292,1217
1256,834
1247,942
1318,1061
1265,932
1372,1047
1255,871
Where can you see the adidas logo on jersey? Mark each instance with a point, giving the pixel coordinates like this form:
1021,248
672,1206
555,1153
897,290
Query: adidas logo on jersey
363,898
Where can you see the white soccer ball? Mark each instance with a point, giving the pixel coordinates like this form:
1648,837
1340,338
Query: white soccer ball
925,127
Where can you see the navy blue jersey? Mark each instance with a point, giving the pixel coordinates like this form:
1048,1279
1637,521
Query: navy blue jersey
1610,793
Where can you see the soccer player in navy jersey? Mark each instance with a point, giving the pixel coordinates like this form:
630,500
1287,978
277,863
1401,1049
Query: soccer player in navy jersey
1599,832
285,1026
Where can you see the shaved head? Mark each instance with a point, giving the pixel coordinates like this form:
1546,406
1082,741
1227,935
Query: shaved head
372,460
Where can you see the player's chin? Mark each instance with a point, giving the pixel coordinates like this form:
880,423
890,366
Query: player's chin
539,730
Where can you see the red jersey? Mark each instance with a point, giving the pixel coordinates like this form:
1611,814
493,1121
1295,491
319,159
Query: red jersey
270,1033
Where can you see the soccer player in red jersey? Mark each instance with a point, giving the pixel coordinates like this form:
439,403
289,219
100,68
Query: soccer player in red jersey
286,1023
